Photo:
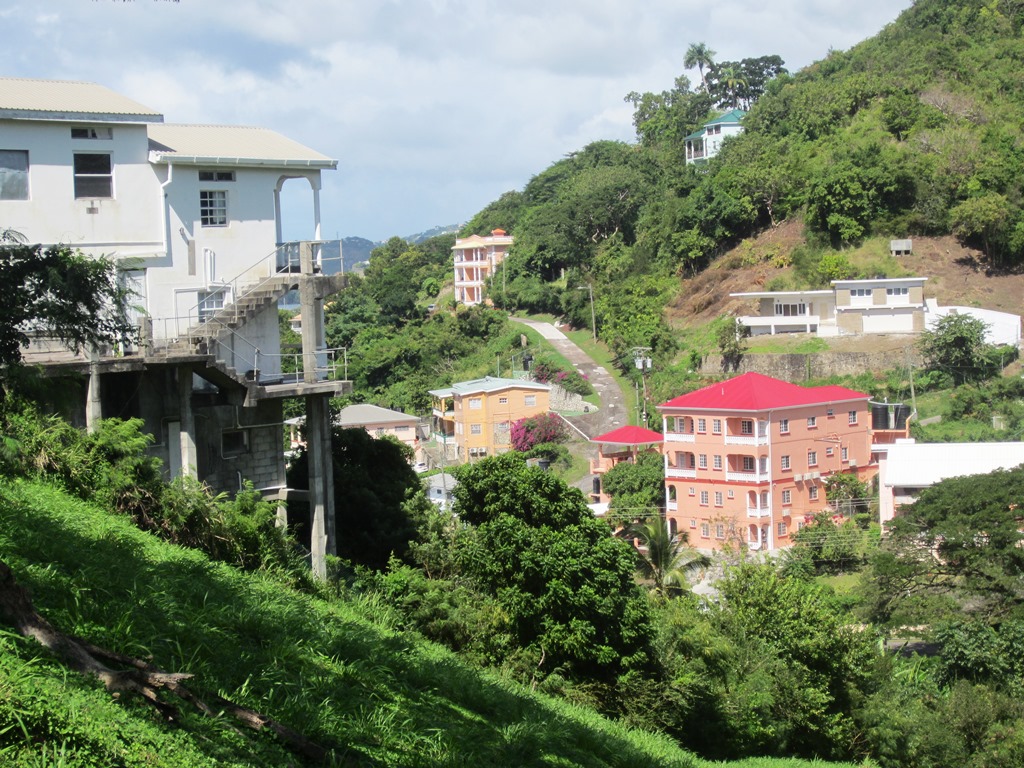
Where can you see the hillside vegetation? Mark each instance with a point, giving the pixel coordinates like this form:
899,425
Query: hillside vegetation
336,670
914,132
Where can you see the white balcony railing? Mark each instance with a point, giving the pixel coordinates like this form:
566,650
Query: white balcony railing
746,439
758,511
680,437
679,473
747,477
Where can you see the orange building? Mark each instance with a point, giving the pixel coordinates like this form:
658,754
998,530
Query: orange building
476,258
617,446
473,419
745,458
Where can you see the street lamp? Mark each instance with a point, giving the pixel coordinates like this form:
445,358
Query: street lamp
589,287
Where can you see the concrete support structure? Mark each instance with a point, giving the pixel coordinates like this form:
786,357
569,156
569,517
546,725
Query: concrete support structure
189,460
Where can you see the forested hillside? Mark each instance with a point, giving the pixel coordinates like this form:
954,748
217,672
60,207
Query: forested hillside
913,132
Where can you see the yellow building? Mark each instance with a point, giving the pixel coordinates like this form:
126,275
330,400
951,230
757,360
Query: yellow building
473,419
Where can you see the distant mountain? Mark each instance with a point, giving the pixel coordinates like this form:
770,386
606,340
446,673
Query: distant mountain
445,229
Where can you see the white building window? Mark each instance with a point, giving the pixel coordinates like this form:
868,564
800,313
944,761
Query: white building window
812,422
502,401
475,403
783,426
210,303
702,461
790,310
785,462
13,174
746,427
748,463
719,500
812,493
812,458
702,425
216,175
782,530
718,462
716,426
94,175
101,133
476,429
900,291
530,400
852,417
720,531
705,530
704,498
213,207
844,454
787,497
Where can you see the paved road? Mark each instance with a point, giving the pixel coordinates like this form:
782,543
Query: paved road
613,412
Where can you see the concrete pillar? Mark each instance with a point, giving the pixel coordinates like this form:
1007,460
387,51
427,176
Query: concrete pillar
277,213
188,422
312,316
93,404
321,483
316,210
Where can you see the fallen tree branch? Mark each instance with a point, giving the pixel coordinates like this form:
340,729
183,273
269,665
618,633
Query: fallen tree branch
142,678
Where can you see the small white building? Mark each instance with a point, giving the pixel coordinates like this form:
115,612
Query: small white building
440,489
907,467
706,142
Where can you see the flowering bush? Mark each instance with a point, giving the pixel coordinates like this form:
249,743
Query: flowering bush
534,430
547,372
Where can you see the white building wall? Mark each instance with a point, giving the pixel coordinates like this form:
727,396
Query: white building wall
128,224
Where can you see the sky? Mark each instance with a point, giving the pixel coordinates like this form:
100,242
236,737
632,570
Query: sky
432,108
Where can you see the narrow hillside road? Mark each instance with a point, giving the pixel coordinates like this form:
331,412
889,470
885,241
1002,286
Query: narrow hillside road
613,412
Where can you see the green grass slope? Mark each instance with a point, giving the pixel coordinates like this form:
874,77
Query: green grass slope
334,671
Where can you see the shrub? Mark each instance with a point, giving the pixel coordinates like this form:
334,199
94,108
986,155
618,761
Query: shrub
534,430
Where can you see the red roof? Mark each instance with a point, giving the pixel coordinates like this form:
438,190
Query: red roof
630,436
757,392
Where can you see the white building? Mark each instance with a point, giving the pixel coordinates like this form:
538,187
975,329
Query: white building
906,468
192,216
476,259
706,142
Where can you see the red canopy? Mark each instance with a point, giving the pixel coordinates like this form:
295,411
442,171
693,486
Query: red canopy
630,436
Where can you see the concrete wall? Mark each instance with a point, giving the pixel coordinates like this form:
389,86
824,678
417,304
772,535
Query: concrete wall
798,368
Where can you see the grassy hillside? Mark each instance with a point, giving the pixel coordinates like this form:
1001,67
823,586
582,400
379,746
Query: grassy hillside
334,670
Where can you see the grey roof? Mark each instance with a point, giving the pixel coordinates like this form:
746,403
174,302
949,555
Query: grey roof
364,413
920,465
69,100
230,145
441,481
488,384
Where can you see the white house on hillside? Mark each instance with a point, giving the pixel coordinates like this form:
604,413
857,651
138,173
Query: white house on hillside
192,216
705,143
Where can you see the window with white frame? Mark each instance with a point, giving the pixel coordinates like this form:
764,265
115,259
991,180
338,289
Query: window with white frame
719,499
716,426
812,422
502,401
717,462
720,530
898,291
782,309
852,417
704,498
748,463
691,461
844,454
787,497
830,413
785,462
812,458
213,207
829,451
783,426
681,425
702,425
732,494
13,174
210,303
530,400
705,530
476,429
702,461
693,522
693,491
812,493
475,403
782,529
94,175
746,427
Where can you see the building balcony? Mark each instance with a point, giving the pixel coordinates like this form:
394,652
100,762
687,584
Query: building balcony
746,439
672,506
748,477
680,473
680,437
758,511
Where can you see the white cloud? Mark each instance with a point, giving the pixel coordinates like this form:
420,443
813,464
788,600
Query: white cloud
433,109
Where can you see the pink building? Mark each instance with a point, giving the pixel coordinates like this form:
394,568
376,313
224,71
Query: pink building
745,458
617,446
476,259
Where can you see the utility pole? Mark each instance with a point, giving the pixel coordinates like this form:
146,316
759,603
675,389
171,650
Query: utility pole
642,360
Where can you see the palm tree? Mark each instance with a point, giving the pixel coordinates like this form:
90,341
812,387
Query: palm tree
665,560
732,78
699,55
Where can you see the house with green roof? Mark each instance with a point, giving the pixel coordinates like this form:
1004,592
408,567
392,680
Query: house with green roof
706,142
